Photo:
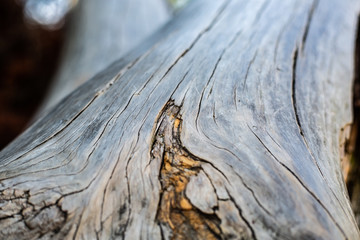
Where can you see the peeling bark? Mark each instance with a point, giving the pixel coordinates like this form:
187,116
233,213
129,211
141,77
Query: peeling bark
188,206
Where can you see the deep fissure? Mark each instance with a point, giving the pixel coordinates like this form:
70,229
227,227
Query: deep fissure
352,146
175,211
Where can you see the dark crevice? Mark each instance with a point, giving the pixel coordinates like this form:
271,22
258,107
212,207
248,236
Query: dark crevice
207,84
176,214
7,217
253,194
242,216
214,114
161,230
308,23
213,72
352,146
293,89
232,41
208,162
212,185
77,226
38,219
125,226
294,102
297,115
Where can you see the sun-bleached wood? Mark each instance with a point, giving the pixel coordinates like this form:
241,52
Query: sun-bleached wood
244,100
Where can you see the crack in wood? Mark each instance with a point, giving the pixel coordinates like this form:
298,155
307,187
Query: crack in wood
308,23
176,213
351,147
38,219
301,182
293,90
242,216
296,110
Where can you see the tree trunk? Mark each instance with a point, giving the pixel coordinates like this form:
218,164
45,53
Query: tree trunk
223,125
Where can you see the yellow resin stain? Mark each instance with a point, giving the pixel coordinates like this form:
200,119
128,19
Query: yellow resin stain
175,210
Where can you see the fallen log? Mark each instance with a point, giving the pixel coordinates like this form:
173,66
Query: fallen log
223,125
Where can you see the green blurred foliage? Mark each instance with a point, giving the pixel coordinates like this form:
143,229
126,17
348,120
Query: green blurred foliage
176,4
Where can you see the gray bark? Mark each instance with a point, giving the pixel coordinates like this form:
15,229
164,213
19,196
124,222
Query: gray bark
223,125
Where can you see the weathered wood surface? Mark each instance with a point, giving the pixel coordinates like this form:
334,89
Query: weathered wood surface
98,35
225,124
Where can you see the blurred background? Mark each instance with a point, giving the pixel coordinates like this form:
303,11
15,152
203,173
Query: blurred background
31,36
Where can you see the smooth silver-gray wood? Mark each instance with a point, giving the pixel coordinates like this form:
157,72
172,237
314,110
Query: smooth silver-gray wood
251,94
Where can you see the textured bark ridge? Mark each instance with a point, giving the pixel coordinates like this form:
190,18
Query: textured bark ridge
224,124
19,215
189,206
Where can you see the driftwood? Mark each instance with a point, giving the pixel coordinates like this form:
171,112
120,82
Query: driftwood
224,124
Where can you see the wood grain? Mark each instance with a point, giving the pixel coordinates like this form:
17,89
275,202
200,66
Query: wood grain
243,99
97,35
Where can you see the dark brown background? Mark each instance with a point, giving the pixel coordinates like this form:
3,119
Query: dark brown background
28,59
